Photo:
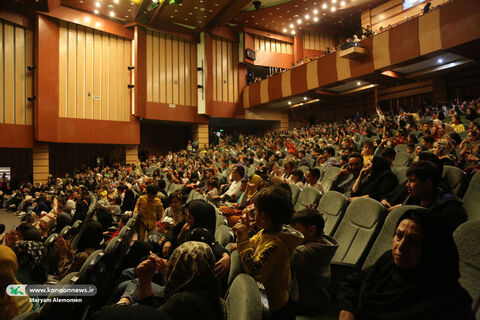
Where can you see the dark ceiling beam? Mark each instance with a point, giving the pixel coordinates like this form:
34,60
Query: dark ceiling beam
157,11
228,13
52,4
139,10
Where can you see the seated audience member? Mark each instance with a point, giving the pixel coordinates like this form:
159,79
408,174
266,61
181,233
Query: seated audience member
445,151
266,256
425,129
312,179
121,223
330,160
211,188
457,124
191,288
150,210
288,167
427,143
311,263
234,191
10,306
411,149
423,190
346,178
174,213
30,255
367,153
375,181
296,177
417,279
82,205
128,203
389,155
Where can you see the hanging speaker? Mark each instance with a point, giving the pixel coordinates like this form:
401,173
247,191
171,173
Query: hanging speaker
250,54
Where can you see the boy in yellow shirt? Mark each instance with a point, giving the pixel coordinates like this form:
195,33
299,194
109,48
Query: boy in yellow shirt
266,256
150,210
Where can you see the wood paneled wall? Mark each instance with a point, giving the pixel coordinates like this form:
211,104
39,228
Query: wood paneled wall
131,154
16,82
406,90
40,163
93,74
272,45
20,162
200,132
171,69
225,70
313,40
391,13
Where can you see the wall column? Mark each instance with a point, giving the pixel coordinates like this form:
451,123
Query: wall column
439,89
200,133
131,154
41,168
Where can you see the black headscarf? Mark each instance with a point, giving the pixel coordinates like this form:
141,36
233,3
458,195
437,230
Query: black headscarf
91,236
379,166
203,214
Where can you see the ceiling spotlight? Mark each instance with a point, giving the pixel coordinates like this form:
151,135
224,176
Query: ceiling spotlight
315,11
96,11
299,21
334,1
291,25
440,60
112,14
97,4
292,32
324,6
315,19
116,1
305,98
86,19
289,103
358,83
307,16
284,30
333,9
97,24
342,3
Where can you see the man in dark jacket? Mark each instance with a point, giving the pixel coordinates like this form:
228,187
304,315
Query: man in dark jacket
82,206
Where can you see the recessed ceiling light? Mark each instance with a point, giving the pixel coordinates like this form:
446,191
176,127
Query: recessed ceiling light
110,6
129,10
305,98
97,24
440,60
333,9
76,21
284,30
342,3
307,16
324,6
358,83
289,103
112,14
97,4
132,3
116,1
299,21
291,25
96,11
334,1
86,19
315,19
315,11
126,17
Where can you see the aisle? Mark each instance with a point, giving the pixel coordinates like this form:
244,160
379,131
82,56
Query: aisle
9,219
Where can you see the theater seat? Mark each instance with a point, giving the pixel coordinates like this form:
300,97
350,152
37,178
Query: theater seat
244,300
401,148
467,239
401,159
235,267
401,173
328,177
304,169
295,192
385,237
90,261
308,196
471,199
356,232
332,205
223,235
456,179
221,220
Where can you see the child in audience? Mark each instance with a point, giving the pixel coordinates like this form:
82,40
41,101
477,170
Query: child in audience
311,263
266,256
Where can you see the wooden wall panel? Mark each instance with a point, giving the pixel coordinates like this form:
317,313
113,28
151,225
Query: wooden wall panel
92,74
162,75
16,82
40,163
149,60
169,76
175,70
225,70
271,45
127,94
314,40
181,72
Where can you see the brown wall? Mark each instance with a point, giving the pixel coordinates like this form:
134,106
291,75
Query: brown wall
171,69
225,70
159,137
319,41
19,160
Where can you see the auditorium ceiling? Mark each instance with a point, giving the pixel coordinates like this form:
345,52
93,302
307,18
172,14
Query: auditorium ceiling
193,16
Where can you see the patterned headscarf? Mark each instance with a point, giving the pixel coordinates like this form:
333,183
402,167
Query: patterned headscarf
191,267
29,254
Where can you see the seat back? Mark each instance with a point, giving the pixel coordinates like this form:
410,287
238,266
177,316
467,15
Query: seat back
308,196
220,220
244,301
235,267
401,148
456,179
174,187
222,235
295,192
91,260
330,174
467,239
385,237
332,205
356,232
401,173
304,169
463,134
401,159
65,233
470,199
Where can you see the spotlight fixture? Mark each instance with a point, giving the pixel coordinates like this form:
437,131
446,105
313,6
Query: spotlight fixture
131,86
307,16
299,21
131,68
333,9
315,11
284,30
86,19
334,1
31,99
440,60
324,6
289,103
342,3
292,32
315,19
96,11
305,98
30,68
97,4
257,4
112,14
358,83
291,25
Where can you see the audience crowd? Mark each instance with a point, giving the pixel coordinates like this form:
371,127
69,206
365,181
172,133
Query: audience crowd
179,265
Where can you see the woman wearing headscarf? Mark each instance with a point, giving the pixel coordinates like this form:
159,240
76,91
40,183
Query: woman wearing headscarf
245,204
30,255
445,151
191,287
88,242
375,181
417,279
10,306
